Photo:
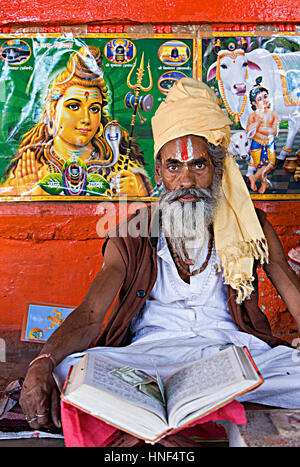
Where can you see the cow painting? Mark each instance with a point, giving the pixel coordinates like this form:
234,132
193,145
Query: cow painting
236,72
239,146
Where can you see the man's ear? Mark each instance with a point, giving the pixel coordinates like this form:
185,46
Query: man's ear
157,174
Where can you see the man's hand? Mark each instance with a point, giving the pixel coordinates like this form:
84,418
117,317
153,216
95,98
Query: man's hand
40,396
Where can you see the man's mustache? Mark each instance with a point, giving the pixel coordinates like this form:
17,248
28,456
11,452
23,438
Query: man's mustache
203,194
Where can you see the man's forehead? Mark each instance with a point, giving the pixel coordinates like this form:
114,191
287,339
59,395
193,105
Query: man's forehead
185,148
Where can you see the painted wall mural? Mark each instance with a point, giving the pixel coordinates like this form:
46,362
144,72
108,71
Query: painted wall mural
257,81
76,113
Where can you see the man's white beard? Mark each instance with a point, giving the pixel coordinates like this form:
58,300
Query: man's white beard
187,225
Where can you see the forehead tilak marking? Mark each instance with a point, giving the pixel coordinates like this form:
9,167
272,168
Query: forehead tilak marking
190,149
178,150
92,94
184,149
184,153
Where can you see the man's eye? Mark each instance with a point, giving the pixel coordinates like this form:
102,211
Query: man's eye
73,106
172,167
95,109
199,165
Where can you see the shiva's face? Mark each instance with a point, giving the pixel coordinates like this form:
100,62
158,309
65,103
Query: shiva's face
78,115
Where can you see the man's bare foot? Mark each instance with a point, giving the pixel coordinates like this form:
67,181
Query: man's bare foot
264,185
252,182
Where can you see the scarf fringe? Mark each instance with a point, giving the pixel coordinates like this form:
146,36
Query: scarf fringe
236,264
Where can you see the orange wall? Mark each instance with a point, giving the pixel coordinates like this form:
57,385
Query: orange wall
50,252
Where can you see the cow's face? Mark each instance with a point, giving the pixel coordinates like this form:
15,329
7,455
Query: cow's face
233,68
239,146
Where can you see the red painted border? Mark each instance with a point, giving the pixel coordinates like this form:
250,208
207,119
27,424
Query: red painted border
54,12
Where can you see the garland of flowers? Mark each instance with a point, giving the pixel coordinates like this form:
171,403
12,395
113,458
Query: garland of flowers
237,115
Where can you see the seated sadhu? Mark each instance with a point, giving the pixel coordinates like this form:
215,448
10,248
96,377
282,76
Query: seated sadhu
185,291
73,127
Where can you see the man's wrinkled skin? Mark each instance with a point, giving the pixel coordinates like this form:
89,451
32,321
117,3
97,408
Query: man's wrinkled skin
40,382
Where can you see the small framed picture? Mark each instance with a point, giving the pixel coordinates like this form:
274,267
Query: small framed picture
41,320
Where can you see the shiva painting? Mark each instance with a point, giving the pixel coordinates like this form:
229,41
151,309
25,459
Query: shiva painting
257,83
76,114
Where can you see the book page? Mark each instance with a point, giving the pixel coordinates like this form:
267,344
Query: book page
98,375
201,378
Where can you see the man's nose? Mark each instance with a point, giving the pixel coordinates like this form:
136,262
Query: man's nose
187,179
85,116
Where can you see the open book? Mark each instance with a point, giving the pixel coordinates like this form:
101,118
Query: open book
133,401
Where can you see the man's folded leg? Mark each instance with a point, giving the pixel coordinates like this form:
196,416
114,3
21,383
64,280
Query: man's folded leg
83,430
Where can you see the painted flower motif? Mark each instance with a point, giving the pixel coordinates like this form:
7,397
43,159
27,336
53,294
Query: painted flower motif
56,95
